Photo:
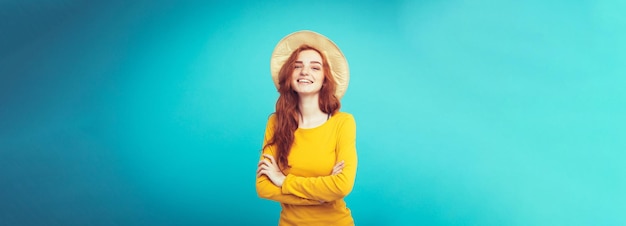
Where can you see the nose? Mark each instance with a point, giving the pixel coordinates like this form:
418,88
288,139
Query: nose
305,71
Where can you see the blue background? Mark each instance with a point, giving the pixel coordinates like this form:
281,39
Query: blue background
468,112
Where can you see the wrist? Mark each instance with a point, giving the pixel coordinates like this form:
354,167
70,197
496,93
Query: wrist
281,180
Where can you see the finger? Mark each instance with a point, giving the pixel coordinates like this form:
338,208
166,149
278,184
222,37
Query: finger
337,171
264,171
269,157
263,167
271,164
265,162
339,165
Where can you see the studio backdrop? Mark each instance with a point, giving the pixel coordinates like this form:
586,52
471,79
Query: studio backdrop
468,112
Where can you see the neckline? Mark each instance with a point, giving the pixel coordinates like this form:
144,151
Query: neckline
330,117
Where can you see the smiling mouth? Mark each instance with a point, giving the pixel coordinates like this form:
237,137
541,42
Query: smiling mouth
305,81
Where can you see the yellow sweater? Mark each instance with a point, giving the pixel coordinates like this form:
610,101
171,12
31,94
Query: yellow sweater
309,181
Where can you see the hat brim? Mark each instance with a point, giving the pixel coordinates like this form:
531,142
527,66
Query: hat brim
336,60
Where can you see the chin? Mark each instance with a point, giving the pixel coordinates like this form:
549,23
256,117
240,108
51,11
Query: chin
307,92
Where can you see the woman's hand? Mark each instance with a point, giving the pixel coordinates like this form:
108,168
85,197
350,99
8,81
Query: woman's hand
270,169
338,168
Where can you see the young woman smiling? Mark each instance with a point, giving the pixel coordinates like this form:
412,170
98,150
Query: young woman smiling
309,159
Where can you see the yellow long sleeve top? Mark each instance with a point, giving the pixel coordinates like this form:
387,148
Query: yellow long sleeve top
310,195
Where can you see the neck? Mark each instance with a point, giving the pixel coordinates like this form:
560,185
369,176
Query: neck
309,107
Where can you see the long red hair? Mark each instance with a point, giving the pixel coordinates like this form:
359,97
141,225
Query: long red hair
287,112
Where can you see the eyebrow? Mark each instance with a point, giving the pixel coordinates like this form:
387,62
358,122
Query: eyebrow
313,62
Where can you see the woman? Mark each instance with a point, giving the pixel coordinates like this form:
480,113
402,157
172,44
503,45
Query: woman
309,158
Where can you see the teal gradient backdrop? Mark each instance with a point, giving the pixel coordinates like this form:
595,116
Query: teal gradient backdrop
468,112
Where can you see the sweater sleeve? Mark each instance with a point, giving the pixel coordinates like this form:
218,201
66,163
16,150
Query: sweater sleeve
333,187
264,186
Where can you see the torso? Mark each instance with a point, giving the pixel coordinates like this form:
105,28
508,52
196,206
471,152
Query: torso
313,154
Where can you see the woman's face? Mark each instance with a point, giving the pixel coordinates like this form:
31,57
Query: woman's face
308,73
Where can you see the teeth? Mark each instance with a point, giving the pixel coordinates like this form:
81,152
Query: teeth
305,80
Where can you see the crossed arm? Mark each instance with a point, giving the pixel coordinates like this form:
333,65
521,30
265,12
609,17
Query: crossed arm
290,189
270,180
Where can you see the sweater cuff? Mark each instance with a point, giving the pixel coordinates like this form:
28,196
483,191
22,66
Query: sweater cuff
284,188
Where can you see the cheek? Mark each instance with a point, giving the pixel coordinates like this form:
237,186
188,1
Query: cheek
294,76
321,78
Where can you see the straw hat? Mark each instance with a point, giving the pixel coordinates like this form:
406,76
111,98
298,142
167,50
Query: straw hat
336,60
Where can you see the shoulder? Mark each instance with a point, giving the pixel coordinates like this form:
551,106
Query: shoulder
344,117
271,120
272,117
345,123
